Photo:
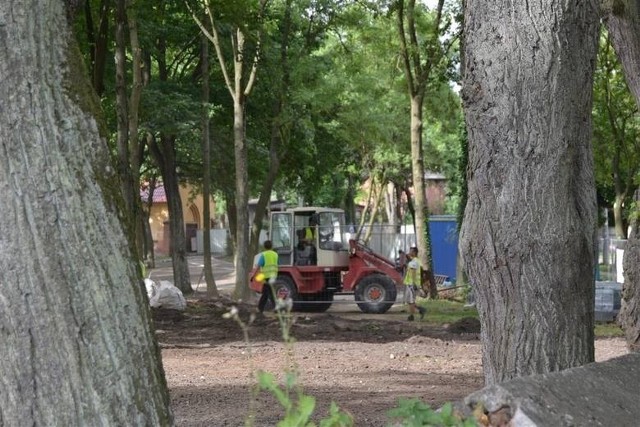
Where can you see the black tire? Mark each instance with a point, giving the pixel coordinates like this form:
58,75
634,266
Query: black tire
312,306
376,293
282,288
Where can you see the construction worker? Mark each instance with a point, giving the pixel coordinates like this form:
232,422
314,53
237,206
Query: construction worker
310,231
268,263
412,281
310,237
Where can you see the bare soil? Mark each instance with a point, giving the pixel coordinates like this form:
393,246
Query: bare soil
362,362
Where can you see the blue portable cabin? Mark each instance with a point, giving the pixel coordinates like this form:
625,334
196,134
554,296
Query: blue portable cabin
443,230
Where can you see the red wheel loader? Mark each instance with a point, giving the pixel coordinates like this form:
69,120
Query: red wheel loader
318,260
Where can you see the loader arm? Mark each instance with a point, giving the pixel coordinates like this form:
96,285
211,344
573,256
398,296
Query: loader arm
363,255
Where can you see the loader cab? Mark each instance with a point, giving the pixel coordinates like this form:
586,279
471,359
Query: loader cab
310,237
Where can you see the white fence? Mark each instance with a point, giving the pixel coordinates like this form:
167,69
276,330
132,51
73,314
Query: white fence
610,256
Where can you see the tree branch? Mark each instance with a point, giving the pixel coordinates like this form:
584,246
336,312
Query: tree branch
213,37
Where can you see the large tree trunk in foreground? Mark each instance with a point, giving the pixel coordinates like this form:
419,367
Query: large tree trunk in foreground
623,24
77,346
528,235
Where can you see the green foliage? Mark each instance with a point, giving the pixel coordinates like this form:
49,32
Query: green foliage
299,409
336,418
444,311
608,330
344,111
616,130
415,413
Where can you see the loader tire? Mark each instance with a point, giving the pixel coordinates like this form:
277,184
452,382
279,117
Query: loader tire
375,293
283,288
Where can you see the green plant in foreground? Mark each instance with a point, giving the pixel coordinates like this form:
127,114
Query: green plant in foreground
298,412
299,407
415,413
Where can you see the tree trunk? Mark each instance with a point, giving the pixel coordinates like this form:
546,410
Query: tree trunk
419,60
365,210
265,194
136,144
97,42
349,200
629,317
618,218
122,121
231,216
241,259
267,186
164,153
244,77
378,196
77,342
278,130
165,156
212,290
129,150
390,204
528,235
623,24
423,240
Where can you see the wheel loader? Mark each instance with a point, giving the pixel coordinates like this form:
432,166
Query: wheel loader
319,259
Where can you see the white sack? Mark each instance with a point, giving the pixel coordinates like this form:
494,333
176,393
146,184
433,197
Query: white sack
168,296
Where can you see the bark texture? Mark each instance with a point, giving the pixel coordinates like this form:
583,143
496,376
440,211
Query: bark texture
528,234
623,23
629,317
77,347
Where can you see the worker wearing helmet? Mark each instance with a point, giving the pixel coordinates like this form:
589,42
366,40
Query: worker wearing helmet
412,281
268,264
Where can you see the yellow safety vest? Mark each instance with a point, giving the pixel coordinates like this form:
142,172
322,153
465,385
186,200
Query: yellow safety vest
407,277
308,233
270,267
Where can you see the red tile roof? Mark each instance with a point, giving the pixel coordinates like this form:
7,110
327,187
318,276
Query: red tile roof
159,196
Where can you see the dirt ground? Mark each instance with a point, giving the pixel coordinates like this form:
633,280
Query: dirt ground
362,362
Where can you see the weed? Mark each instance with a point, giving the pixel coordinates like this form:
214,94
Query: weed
415,413
298,407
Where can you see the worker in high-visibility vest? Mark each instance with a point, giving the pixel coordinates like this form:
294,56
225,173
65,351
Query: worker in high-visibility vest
268,263
310,238
412,281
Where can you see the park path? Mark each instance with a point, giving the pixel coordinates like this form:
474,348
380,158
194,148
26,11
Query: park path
223,272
